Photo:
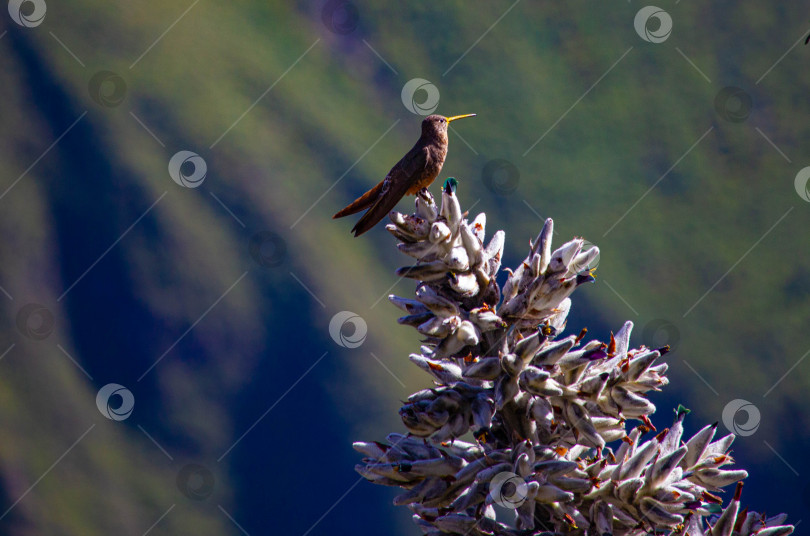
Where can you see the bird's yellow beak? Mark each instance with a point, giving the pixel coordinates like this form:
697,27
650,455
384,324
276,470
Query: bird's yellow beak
449,119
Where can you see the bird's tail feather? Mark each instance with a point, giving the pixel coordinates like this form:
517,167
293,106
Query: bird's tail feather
376,213
361,203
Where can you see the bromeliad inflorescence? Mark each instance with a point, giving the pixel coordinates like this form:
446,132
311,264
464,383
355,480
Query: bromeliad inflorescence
524,418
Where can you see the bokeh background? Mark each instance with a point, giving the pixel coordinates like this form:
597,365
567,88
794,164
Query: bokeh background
210,305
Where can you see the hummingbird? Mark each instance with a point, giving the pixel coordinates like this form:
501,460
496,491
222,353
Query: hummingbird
416,170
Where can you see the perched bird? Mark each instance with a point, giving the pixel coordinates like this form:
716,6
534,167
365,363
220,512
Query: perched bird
415,171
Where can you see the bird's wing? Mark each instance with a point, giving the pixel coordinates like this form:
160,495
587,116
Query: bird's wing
394,188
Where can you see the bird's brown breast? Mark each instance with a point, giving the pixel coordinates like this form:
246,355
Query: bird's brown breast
432,169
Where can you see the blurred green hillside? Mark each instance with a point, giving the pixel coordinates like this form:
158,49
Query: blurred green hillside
227,289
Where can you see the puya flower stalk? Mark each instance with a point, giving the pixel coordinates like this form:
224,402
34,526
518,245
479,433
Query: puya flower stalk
526,430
